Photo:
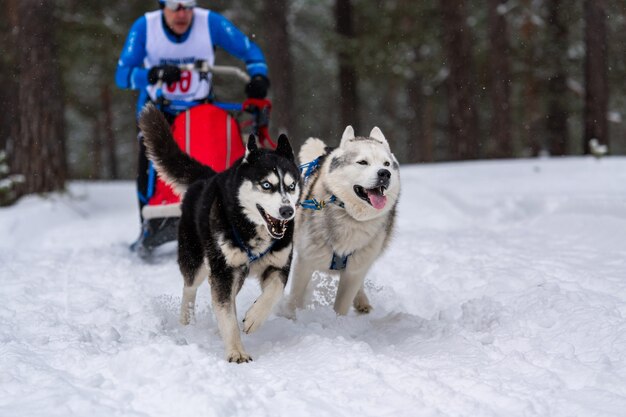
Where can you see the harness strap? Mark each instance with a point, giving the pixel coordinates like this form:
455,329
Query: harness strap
314,204
309,168
339,263
251,256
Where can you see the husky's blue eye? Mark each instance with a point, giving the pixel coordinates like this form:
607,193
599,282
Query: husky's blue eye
292,187
266,185
363,162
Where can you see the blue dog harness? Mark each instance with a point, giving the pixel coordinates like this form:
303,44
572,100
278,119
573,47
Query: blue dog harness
337,263
314,204
251,256
307,170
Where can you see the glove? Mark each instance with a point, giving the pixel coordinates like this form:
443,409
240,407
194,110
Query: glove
257,87
171,74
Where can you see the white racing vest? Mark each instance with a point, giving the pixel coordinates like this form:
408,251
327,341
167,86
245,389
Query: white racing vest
198,46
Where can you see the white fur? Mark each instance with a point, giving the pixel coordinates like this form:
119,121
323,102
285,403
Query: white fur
233,254
161,210
358,229
188,304
341,181
251,194
377,134
273,258
311,150
273,289
226,315
347,135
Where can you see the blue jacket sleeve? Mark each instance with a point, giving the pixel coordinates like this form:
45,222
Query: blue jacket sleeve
130,72
226,35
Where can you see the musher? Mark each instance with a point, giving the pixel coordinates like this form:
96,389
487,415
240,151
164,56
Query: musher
158,42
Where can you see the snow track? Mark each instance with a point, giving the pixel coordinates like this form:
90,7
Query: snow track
503,293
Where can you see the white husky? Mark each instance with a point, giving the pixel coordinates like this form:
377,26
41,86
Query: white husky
347,215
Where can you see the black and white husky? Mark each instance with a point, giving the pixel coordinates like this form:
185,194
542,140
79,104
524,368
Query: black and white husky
233,224
347,215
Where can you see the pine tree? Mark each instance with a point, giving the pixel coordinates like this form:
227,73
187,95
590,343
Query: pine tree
38,151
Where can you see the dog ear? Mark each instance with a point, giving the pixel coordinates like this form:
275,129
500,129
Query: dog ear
348,134
284,147
250,147
377,134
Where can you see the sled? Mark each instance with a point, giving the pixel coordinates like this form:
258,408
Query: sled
211,133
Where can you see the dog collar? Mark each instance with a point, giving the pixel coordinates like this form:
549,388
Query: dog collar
314,204
251,256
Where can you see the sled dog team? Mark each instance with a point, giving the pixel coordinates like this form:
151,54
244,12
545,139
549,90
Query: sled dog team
338,214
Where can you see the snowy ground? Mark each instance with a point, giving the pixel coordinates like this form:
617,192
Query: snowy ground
503,294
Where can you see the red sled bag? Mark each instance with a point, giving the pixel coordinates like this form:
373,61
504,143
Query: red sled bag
206,133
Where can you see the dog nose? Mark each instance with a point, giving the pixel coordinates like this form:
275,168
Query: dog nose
383,177
286,212
384,174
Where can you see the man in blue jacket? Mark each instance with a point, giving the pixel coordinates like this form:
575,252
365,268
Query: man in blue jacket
157,44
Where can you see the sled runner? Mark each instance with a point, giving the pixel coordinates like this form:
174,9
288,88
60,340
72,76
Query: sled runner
208,132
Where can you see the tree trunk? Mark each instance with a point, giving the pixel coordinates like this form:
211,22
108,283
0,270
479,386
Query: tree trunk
39,149
109,133
95,168
499,82
557,45
596,74
389,102
348,98
420,142
530,103
280,64
463,115
419,126
8,75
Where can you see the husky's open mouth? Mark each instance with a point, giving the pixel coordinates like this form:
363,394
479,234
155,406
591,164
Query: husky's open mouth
374,196
277,228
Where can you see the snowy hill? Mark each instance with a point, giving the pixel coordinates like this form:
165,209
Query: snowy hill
502,294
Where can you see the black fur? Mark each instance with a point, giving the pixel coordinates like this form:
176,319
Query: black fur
211,207
163,150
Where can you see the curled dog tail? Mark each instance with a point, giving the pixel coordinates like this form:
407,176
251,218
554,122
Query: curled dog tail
173,165
312,149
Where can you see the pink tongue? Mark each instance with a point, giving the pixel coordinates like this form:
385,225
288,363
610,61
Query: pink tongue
377,200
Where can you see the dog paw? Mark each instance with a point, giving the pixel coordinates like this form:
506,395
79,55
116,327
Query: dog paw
363,308
362,304
255,317
238,356
186,316
186,319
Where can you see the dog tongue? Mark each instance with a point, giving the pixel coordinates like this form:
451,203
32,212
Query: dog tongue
378,200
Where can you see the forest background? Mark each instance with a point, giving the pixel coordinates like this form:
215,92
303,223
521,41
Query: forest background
443,79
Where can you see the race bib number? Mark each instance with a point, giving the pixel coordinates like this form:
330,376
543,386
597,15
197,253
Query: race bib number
190,87
183,86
